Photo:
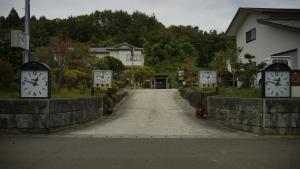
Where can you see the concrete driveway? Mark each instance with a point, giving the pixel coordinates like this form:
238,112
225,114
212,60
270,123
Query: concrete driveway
154,113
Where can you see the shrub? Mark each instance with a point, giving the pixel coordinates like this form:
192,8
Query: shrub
7,74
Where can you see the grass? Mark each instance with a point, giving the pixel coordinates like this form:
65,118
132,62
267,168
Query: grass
64,93
239,92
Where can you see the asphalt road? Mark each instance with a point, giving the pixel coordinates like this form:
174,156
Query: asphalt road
150,129
54,152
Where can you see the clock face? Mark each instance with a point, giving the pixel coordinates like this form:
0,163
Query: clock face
102,78
208,77
34,83
277,84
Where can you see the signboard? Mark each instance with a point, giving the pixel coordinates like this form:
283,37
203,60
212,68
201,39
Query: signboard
295,77
19,39
102,78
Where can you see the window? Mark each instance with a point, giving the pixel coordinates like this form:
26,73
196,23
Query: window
136,57
251,35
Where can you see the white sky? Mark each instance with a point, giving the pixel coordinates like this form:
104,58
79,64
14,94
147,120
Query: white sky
206,14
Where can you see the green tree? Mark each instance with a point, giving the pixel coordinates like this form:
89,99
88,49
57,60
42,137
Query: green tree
143,73
7,72
110,63
249,71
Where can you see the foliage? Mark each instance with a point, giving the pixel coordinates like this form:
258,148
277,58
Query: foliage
74,78
63,43
248,72
6,72
110,63
143,73
239,92
116,86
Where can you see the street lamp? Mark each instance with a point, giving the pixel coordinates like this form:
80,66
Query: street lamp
132,73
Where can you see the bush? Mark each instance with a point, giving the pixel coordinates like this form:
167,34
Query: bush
76,78
7,74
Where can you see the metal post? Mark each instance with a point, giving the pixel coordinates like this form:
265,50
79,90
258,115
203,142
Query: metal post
27,30
132,73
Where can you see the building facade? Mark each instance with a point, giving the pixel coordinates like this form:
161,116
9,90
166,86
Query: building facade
123,53
271,35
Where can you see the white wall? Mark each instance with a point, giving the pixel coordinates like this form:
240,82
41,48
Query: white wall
269,40
122,55
101,55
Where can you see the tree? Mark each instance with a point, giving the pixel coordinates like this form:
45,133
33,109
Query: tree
110,63
143,73
6,71
13,20
60,49
249,71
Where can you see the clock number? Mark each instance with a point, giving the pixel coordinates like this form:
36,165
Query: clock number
34,73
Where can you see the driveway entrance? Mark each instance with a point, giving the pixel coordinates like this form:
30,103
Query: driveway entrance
155,113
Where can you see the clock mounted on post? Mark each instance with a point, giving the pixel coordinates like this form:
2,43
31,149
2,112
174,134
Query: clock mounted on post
35,80
102,78
276,81
208,80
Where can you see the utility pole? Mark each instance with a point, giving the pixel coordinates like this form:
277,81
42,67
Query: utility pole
27,31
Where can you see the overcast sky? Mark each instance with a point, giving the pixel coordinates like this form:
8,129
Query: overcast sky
206,14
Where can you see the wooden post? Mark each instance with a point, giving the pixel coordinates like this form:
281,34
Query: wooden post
92,91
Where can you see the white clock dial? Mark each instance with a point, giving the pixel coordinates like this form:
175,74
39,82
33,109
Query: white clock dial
208,77
277,84
102,78
34,83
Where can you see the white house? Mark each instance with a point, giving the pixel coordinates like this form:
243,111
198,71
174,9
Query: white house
123,53
271,35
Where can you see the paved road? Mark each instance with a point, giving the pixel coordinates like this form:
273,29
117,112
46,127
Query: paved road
54,152
155,113
111,144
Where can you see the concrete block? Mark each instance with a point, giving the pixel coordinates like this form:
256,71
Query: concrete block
284,120
24,121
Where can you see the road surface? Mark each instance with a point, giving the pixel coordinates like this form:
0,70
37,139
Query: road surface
150,129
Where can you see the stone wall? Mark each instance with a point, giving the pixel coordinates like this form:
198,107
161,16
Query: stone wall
195,97
257,115
46,115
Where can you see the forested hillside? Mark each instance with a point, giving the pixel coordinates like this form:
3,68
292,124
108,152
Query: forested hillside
167,47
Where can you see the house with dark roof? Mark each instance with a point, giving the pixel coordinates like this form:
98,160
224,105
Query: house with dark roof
270,34
123,53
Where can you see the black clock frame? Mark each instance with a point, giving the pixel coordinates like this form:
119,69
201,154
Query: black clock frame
38,67
271,68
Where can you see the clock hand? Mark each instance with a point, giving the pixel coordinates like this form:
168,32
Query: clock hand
29,81
272,82
35,81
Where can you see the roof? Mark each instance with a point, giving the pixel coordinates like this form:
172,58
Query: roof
274,13
293,25
125,46
122,46
98,50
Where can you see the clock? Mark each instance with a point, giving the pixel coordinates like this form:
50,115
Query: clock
102,78
207,78
276,81
35,80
